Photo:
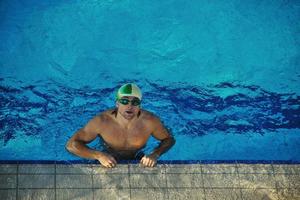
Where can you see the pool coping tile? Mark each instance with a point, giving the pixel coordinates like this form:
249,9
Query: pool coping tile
219,169
8,194
8,168
286,169
108,181
8,181
139,169
119,169
38,181
184,169
36,194
71,181
74,169
36,169
255,169
128,178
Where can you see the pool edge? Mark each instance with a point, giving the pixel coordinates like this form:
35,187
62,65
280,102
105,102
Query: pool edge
159,162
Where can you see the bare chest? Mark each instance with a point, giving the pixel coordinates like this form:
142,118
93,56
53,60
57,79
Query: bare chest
126,139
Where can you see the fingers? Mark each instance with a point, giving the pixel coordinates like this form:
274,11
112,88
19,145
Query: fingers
148,162
111,162
108,162
108,165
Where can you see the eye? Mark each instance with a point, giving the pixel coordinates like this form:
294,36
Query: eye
135,102
124,101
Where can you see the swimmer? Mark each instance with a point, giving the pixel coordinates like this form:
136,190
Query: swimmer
125,130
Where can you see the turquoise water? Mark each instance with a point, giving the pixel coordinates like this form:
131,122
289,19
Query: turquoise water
223,76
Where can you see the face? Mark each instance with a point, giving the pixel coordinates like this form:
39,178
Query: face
128,111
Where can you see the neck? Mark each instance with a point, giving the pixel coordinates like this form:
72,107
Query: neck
126,123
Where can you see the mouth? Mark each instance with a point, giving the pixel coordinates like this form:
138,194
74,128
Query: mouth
129,112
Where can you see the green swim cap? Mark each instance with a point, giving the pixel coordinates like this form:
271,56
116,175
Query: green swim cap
129,89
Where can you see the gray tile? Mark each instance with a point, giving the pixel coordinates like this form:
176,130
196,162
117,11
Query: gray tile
74,169
8,168
36,181
287,180
8,181
148,194
221,180
8,194
111,181
223,194
74,181
186,194
179,180
255,181
287,169
36,194
288,194
119,169
219,168
183,168
139,169
263,194
184,180
36,169
79,194
198,180
147,180
109,194
255,168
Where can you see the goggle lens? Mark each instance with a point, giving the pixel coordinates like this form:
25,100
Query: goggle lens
134,102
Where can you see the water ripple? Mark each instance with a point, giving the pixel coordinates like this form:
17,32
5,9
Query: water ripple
188,110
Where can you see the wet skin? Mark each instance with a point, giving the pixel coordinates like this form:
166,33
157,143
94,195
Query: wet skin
125,133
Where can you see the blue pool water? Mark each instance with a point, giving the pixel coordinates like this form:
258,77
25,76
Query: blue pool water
223,76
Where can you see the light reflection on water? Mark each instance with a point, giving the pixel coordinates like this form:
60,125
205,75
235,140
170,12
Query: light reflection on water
39,118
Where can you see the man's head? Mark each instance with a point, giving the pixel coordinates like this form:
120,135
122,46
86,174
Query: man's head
129,98
129,89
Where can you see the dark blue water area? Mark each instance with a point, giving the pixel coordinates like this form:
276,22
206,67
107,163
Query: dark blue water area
223,76
210,124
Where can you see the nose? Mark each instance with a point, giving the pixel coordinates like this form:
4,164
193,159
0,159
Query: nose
129,105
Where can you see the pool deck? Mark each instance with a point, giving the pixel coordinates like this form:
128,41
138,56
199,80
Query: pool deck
165,181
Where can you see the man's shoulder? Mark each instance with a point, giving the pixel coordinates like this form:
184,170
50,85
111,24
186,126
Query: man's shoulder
147,115
105,116
151,120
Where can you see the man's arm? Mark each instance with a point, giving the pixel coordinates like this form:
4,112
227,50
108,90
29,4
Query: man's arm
167,141
77,143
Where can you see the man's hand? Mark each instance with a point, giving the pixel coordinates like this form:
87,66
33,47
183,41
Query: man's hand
149,161
107,160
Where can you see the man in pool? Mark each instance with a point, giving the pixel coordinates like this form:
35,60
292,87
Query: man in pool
125,130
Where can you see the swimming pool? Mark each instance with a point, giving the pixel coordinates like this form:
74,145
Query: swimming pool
223,82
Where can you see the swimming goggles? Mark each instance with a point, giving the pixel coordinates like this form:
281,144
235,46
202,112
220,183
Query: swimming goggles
134,102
